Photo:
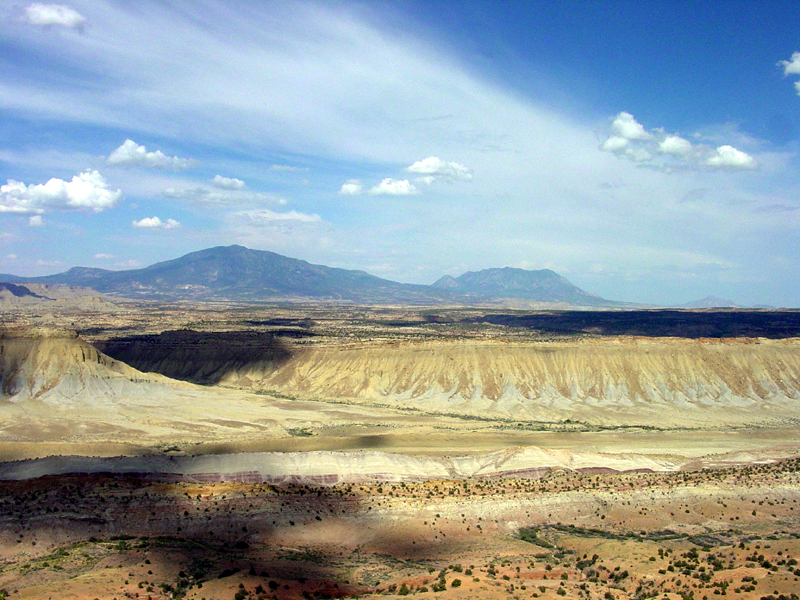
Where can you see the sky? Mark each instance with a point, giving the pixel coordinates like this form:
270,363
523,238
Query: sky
647,151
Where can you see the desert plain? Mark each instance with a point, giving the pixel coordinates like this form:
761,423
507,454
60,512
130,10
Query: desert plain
317,450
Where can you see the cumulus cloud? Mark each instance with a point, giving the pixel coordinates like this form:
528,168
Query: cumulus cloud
155,223
228,183
728,157
628,128
102,256
131,154
673,144
627,138
434,168
87,191
394,187
351,187
45,15
791,67
36,221
264,217
614,144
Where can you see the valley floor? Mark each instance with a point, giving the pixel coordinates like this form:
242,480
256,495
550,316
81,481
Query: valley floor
731,532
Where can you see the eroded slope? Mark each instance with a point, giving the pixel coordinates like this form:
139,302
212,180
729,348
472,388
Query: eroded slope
602,379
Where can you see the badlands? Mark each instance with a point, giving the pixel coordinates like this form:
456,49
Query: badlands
318,451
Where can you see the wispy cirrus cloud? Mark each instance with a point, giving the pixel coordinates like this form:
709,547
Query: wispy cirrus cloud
263,217
222,196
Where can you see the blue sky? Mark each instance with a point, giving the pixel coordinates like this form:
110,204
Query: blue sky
645,150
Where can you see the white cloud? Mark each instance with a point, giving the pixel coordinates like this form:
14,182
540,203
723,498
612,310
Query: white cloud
36,221
728,157
131,154
53,14
351,187
791,67
155,223
394,187
222,197
11,256
264,217
674,144
88,190
287,168
627,127
101,256
669,152
435,167
615,144
228,183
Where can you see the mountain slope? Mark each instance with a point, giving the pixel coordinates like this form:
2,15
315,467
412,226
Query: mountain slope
541,286
711,302
238,273
241,274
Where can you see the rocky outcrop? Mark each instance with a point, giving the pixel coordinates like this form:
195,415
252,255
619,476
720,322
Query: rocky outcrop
696,380
38,296
54,363
329,468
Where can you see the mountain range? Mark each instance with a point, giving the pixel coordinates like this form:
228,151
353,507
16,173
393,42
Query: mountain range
236,273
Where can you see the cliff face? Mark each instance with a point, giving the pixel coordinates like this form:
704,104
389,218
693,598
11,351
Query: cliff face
598,379
56,363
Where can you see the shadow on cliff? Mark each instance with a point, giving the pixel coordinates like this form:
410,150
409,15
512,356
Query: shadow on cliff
203,357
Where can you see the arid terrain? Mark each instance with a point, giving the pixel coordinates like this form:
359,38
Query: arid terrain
314,450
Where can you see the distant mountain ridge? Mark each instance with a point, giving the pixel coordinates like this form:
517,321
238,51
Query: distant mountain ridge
236,273
711,302
542,286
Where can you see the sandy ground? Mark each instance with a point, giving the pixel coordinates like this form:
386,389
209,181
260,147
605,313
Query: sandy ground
735,530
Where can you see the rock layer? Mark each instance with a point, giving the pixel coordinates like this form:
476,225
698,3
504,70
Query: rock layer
40,362
703,379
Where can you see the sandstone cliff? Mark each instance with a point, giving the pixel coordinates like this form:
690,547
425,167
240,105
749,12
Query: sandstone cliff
695,380
55,363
